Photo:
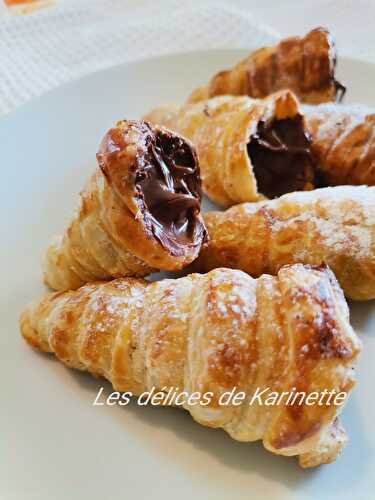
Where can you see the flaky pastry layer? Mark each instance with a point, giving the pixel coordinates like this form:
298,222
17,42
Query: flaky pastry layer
305,65
343,141
214,333
333,226
140,210
224,130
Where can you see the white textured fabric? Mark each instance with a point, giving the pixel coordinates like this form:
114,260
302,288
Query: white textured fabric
42,50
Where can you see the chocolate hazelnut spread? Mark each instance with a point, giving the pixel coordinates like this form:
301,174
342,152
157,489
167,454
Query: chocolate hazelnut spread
160,170
281,157
169,186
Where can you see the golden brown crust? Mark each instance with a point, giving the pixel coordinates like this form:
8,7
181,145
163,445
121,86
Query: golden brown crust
343,140
221,129
215,332
111,234
333,226
304,65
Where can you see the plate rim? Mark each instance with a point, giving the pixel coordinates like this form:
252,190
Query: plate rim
33,101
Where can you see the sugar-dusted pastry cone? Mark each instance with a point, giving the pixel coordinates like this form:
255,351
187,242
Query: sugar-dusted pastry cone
305,65
139,211
333,226
211,334
247,148
343,141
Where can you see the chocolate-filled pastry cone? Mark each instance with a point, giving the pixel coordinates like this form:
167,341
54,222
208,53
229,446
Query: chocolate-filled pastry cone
248,149
305,65
140,210
333,226
212,334
343,141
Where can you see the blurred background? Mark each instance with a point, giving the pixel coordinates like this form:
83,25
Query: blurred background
44,43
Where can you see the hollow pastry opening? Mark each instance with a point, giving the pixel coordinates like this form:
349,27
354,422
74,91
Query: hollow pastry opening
340,90
168,184
281,157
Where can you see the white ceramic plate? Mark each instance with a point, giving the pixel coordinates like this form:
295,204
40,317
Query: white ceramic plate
53,443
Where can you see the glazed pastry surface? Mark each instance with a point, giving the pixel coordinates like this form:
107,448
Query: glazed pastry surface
140,210
333,226
305,65
248,149
215,332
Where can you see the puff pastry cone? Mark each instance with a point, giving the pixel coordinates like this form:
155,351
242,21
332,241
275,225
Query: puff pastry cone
305,65
140,210
248,149
213,333
343,142
333,226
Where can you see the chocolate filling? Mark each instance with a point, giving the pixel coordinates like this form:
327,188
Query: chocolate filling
169,188
281,157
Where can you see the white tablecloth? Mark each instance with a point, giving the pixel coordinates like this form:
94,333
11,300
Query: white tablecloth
44,49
